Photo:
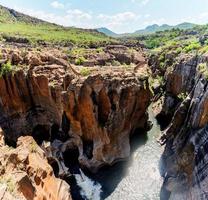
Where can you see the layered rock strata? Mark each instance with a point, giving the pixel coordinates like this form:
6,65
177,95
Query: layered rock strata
185,157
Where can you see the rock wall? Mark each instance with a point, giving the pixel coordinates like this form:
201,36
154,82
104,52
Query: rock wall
95,114
185,155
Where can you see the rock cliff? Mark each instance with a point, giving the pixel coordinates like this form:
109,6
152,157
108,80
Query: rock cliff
26,174
185,156
94,114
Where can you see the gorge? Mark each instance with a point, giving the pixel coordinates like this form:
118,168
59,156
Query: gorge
105,119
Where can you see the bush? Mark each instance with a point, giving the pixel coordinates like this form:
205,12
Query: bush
80,61
6,69
115,63
85,71
203,69
153,43
182,96
192,46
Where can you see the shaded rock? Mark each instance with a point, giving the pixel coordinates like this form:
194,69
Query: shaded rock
185,156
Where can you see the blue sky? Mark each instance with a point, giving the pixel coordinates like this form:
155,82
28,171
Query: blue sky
117,15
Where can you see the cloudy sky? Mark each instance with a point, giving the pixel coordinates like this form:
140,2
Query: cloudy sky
117,15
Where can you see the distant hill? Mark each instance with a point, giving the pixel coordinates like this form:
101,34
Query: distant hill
148,30
8,15
154,28
36,30
107,32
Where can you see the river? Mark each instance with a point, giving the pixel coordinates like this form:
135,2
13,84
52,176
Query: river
137,178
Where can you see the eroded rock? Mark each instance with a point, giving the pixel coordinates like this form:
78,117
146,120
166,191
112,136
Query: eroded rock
26,174
96,114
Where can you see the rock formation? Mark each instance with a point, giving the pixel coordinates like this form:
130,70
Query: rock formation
94,114
185,156
26,174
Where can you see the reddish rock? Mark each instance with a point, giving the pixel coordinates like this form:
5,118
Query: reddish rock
28,174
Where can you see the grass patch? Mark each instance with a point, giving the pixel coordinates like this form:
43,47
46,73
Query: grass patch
85,71
55,34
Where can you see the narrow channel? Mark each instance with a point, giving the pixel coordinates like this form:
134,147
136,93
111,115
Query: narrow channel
139,177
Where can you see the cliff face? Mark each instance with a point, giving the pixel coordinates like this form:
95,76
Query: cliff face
185,156
26,174
94,114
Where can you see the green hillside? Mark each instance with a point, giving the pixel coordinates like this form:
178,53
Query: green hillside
16,24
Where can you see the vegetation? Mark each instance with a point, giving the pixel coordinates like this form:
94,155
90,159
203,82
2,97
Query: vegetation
15,24
115,63
80,61
85,71
55,34
182,96
6,69
203,69
9,183
33,147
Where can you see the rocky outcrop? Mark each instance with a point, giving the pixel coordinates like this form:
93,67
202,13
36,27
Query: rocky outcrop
185,156
179,81
94,114
26,174
114,55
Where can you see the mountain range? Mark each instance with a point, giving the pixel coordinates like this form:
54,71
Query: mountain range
149,29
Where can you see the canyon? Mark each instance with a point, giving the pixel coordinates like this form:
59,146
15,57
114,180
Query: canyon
54,115
111,120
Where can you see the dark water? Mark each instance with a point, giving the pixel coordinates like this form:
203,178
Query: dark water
138,178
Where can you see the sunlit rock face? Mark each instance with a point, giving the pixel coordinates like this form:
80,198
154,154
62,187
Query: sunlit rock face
185,156
96,114
26,174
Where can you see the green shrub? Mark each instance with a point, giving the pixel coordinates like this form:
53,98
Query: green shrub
6,69
192,46
115,63
80,61
203,69
179,50
85,71
153,43
204,50
182,96
99,50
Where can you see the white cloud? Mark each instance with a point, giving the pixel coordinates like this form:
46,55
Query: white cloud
118,22
72,17
57,5
143,2
78,14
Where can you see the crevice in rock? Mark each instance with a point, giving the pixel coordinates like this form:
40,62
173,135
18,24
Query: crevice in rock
94,98
65,123
71,159
54,132
88,148
55,166
41,133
